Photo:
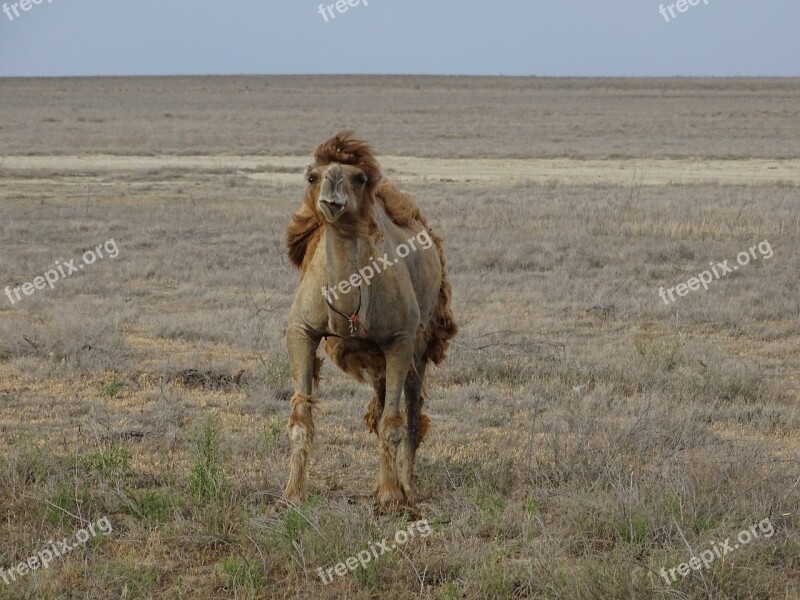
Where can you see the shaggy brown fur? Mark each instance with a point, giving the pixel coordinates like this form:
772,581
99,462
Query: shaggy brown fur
349,170
305,229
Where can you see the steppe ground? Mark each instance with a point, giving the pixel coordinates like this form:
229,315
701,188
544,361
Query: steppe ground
585,434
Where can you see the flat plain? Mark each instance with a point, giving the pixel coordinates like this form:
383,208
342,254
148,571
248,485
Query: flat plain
585,434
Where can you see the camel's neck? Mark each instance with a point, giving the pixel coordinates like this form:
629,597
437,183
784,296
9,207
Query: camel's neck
345,257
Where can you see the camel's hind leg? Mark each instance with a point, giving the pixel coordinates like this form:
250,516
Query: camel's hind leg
416,421
375,408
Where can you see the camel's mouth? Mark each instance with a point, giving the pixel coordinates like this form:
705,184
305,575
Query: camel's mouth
331,210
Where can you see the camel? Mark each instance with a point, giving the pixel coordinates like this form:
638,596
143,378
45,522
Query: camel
384,315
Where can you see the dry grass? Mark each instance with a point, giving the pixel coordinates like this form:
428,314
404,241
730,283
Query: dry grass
584,434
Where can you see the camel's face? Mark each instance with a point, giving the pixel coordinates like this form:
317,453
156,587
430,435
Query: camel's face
340,190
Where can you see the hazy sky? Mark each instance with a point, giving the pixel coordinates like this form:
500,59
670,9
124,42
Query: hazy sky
510,37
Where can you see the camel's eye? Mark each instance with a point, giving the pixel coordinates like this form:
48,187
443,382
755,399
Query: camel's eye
312,178
361,179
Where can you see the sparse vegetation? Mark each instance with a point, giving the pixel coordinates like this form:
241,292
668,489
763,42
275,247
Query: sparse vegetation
207,482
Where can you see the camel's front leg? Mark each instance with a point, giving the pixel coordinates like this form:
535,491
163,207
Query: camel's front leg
302,352
394,483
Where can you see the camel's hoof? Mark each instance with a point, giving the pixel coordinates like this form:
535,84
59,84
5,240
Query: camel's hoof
392,500
406,509
390,495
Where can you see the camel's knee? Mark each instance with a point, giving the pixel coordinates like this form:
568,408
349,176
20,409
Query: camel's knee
301,422
397,435
392,430
298,434
301,406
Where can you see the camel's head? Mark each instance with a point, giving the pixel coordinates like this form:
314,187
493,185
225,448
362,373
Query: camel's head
342,180
340,190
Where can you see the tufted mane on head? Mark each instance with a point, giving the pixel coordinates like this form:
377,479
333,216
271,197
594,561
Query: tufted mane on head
346,149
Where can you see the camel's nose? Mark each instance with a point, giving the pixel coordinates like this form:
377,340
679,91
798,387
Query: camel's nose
332,191
327,190
332,199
